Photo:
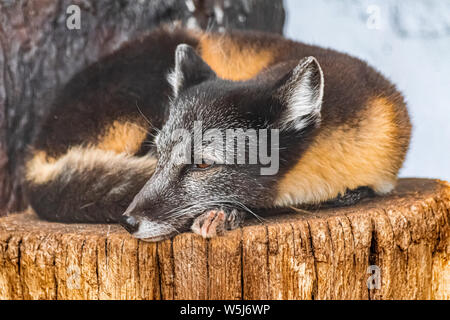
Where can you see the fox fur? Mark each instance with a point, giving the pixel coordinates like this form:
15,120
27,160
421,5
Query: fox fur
104,152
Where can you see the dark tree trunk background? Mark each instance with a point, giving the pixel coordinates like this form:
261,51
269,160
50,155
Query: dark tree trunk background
39,54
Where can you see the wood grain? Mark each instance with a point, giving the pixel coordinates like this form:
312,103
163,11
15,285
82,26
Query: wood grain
323,254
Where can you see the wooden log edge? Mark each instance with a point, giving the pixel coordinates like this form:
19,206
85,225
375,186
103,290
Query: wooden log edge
325,254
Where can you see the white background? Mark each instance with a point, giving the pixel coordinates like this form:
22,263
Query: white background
409,42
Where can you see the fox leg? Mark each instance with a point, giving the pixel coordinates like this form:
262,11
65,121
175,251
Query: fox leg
215,222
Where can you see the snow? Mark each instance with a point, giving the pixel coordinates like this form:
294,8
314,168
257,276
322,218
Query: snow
409,42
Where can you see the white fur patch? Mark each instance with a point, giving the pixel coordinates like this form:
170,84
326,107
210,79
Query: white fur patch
304,100
384,188
39,170
175,77
153,231
175,80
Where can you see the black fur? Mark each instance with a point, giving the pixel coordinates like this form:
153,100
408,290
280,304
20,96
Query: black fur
349,198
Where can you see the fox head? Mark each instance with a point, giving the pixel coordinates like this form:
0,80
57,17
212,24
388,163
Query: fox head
214,148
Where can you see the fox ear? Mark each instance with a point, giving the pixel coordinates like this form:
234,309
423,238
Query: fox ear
301,94
190,69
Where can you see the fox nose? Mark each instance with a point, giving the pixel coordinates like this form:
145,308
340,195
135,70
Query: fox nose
130,224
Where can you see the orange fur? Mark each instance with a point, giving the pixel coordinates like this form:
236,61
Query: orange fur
123,137
34,168
348,157
232,60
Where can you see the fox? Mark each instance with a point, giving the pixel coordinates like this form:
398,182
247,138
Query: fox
105,153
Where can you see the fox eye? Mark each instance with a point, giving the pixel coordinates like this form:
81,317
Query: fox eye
203,165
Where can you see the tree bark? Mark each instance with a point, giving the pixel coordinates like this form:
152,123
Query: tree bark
39,54
323,254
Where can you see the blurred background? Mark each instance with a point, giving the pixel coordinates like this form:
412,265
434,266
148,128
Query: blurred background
409,42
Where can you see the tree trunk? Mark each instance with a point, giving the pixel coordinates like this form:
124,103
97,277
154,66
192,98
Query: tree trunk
39,54
404,238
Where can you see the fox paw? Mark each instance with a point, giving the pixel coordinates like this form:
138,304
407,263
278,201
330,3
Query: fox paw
215,222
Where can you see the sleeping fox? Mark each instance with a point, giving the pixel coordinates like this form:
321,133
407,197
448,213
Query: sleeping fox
107,153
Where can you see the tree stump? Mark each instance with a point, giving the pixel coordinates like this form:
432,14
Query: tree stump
324,254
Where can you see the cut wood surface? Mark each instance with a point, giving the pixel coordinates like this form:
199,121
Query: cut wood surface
321,254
